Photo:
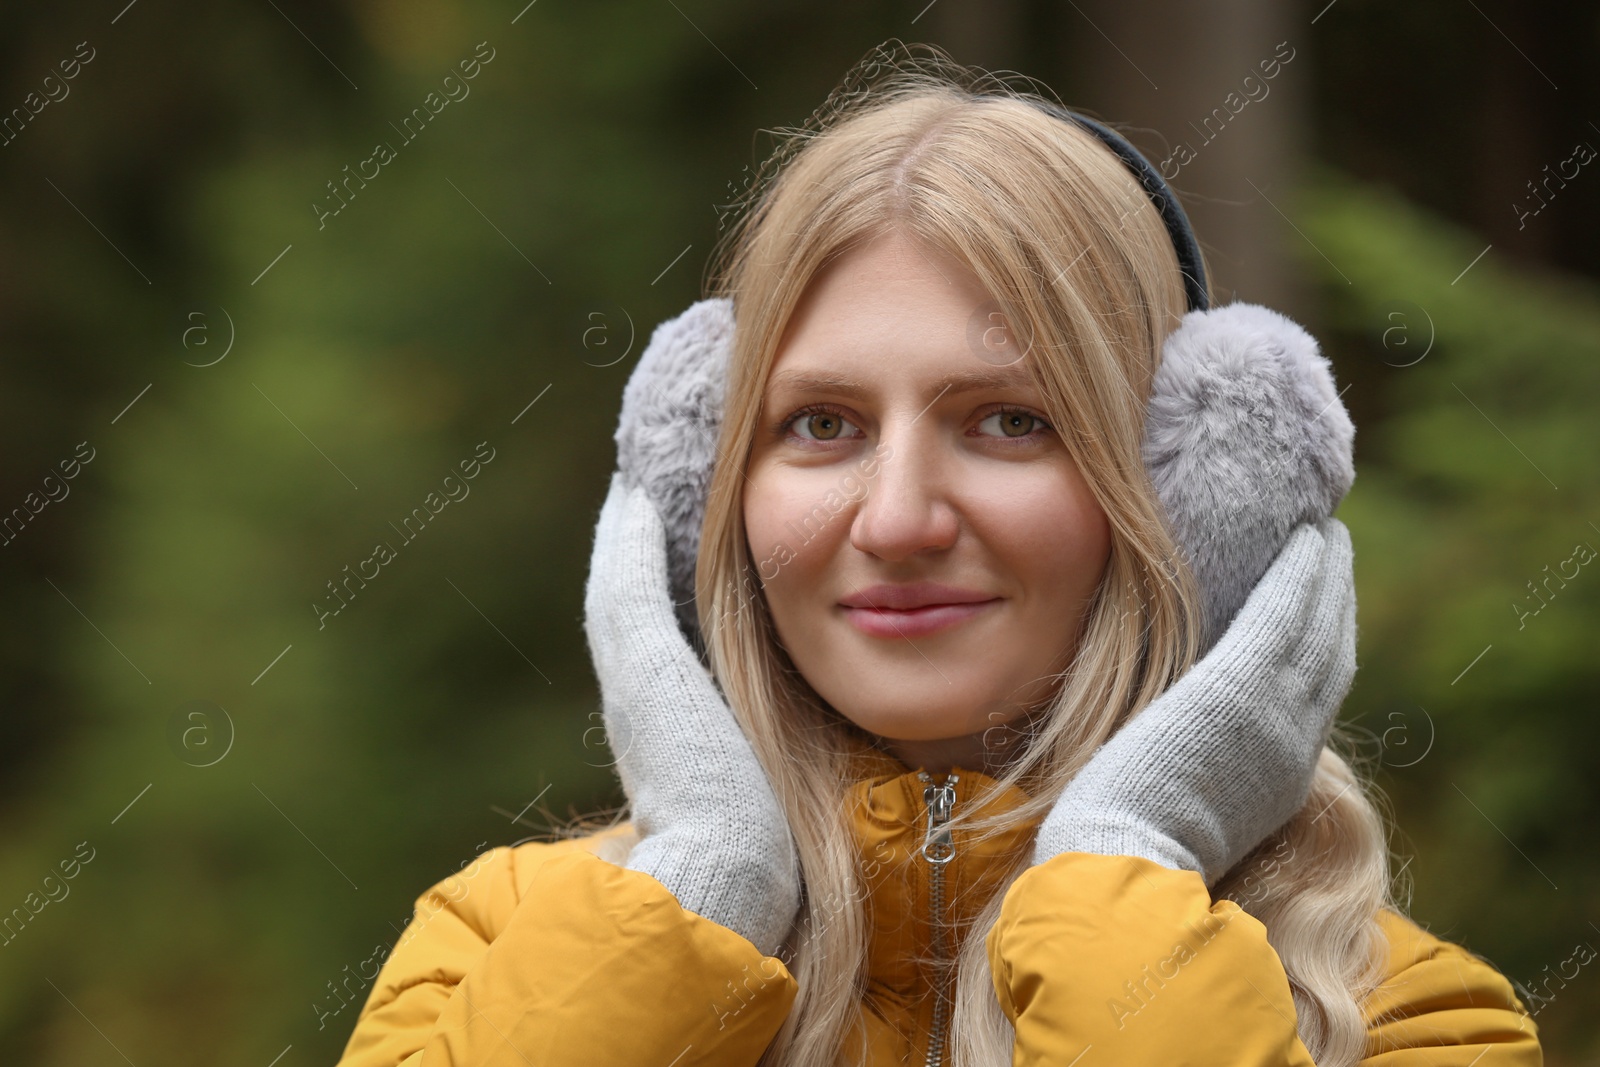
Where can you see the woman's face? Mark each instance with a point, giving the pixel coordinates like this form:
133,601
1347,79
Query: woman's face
882,484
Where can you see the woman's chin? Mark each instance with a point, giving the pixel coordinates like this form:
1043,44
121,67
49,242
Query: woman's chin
913,723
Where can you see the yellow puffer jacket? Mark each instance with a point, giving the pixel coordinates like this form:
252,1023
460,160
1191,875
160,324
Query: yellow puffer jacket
552,954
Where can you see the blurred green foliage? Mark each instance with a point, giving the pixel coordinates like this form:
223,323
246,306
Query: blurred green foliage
1474,487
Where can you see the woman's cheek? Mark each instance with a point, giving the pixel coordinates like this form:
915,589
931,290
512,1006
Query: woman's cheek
789,521
1071,527
763,523
1036,513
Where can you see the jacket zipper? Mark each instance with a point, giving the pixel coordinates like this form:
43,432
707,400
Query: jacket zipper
938,848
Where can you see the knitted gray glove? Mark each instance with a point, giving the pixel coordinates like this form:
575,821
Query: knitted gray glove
710,825
1227,754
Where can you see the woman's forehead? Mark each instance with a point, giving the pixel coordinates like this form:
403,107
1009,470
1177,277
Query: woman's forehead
891,308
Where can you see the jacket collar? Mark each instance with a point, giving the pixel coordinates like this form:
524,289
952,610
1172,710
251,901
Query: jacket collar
889,816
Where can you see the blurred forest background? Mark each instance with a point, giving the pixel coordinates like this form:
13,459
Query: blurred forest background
217,394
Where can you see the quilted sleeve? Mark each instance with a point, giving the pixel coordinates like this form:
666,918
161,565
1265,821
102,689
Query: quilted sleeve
1117,959
1441,1004
588,963
1134,961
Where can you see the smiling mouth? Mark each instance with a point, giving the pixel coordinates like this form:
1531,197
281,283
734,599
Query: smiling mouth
914,622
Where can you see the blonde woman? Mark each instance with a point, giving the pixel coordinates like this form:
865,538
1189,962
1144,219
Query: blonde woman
1012,622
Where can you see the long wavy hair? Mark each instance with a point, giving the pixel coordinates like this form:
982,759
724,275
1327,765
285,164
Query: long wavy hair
1066,242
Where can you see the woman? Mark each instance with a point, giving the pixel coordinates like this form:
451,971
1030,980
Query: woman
986,482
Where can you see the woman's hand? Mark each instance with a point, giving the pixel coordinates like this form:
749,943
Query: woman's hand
1226,756
710,826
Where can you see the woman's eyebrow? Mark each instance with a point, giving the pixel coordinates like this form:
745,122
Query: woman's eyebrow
963,382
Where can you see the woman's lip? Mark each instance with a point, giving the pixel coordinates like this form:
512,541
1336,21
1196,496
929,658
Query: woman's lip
914,622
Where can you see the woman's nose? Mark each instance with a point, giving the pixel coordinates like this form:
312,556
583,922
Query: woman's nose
908,507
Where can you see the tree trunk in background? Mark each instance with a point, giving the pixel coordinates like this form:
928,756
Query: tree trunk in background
1509,139
1161,69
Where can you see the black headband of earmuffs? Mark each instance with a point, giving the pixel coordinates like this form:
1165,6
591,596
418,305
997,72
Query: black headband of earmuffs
1178,228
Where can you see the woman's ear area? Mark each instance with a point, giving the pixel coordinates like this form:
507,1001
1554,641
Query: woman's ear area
1245,439
667,432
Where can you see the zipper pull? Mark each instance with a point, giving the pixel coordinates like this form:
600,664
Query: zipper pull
938,847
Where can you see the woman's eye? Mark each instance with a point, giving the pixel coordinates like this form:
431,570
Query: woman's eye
1016,423
819,424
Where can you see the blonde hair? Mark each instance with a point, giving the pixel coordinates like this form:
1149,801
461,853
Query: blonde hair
1062,236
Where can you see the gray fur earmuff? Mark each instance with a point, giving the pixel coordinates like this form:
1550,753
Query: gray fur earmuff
1245,439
